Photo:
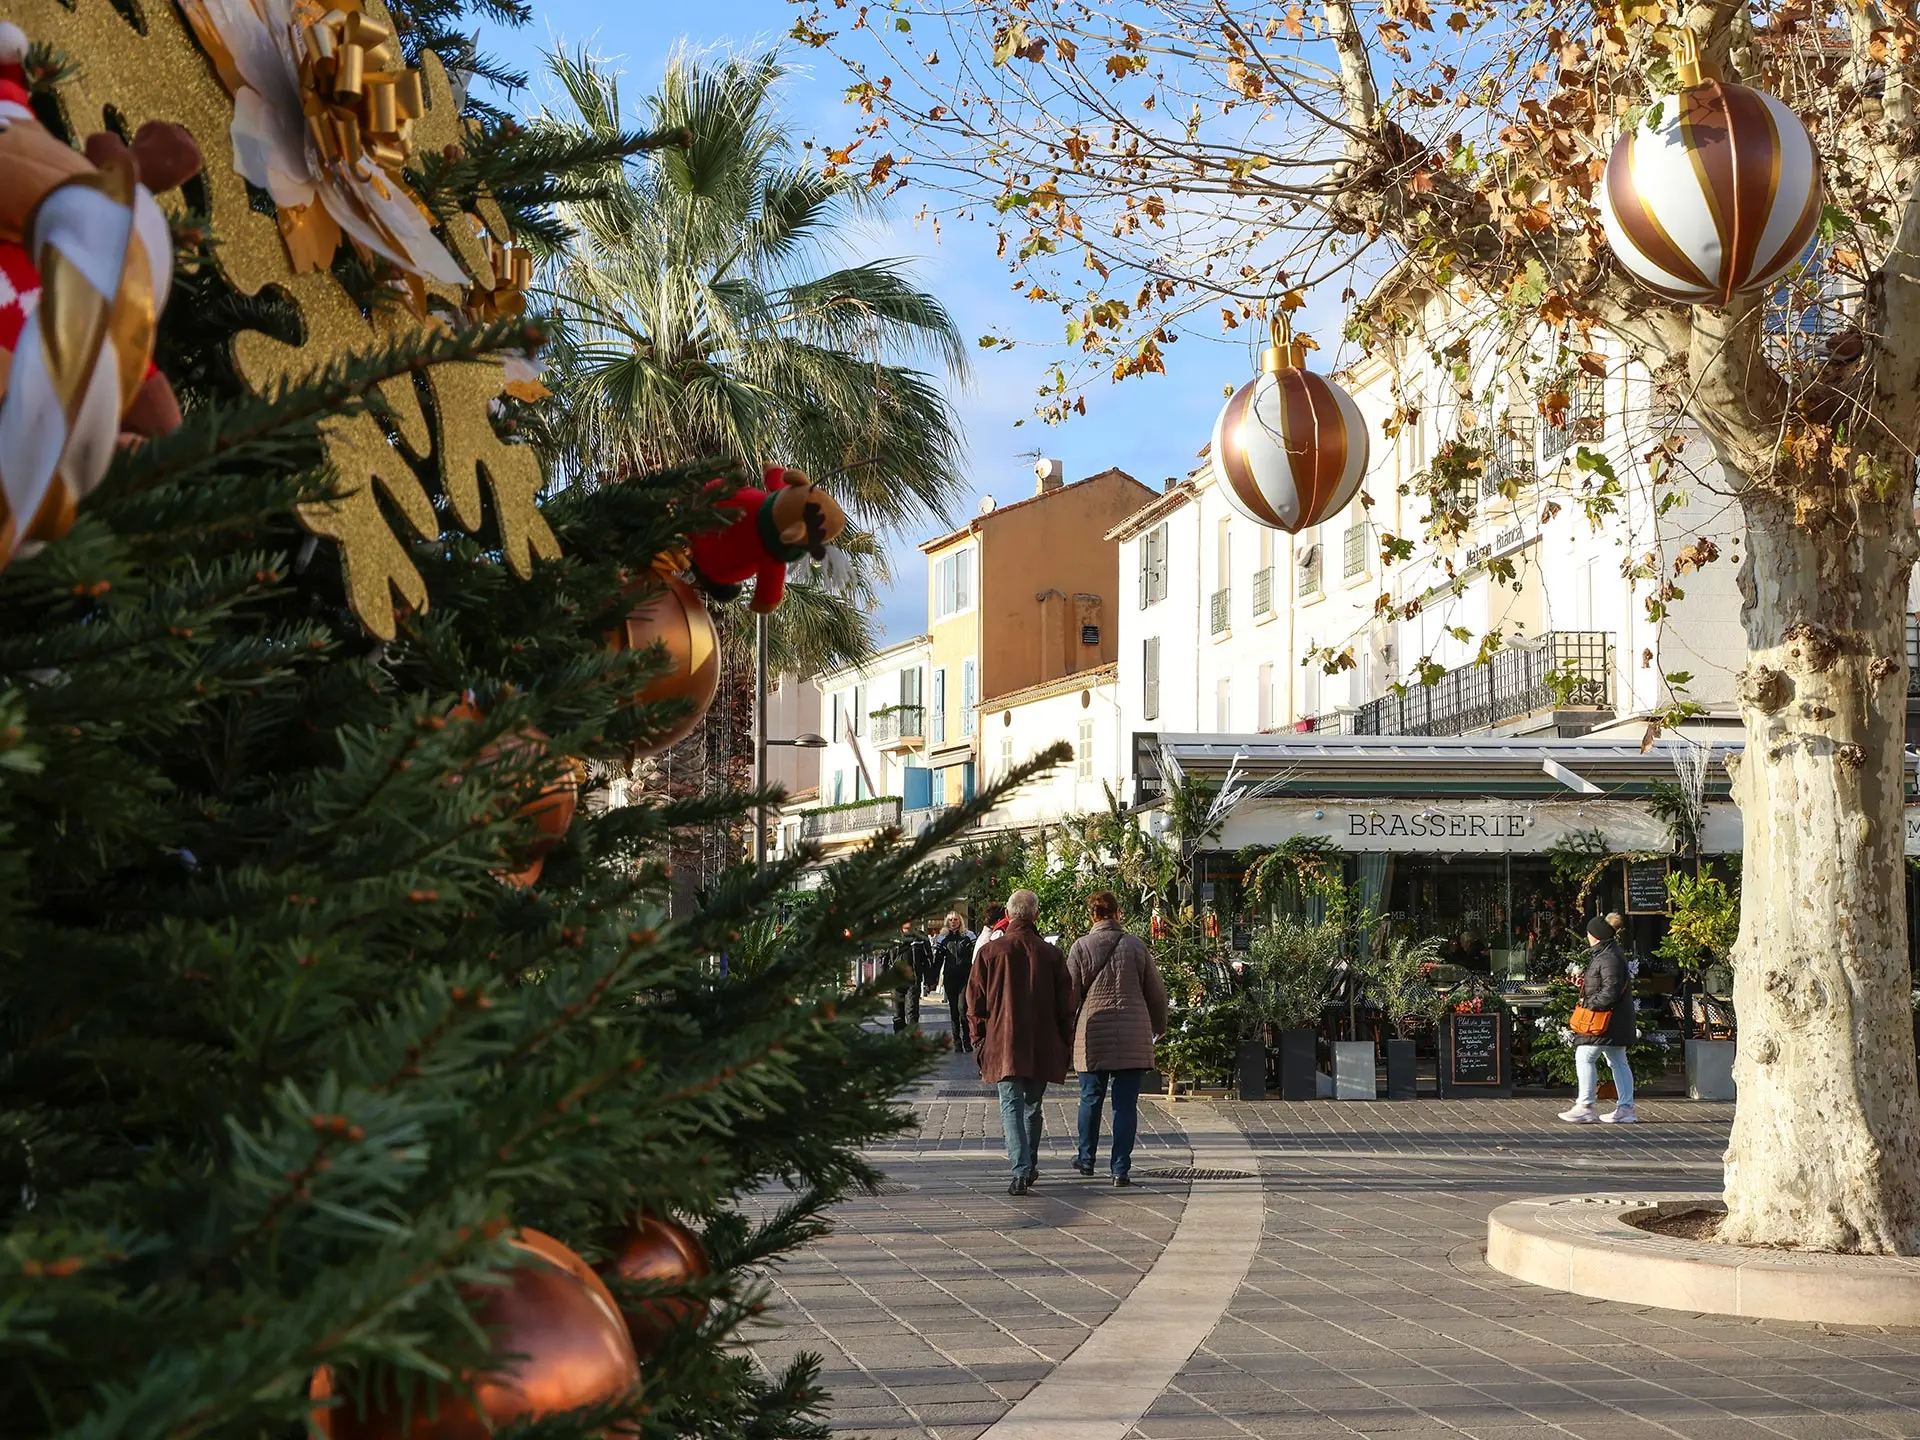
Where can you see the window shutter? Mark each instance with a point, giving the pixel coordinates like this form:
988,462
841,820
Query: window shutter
1150,680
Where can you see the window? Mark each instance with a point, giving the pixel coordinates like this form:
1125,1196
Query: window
1512,458
1309,562
953,583
839,731
1263,577
940,706
1585,418
1263,699
1153,566
910,687
968,695
1006,756
859,710
839,786
1223,705
861,790
1310,689
1223,554
1085,755
1150,680
1353,550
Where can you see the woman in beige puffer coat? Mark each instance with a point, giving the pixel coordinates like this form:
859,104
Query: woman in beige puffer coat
1123,1006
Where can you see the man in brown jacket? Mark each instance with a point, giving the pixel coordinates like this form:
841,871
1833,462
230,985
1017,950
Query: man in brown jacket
1020,1009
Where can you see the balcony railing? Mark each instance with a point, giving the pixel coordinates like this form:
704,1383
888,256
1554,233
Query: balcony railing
1310,572
1220,612
1913,656
872,814
1263,591
1353,551
1568,670
904,722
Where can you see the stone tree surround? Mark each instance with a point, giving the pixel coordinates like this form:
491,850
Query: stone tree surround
1585,1244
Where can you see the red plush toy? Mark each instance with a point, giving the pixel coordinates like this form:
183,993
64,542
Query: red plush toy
790,518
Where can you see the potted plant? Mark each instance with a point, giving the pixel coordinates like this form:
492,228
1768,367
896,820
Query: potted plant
1705,924
1399,981
1287,977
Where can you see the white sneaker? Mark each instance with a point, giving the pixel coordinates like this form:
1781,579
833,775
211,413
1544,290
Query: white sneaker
1580,1115
1622,1115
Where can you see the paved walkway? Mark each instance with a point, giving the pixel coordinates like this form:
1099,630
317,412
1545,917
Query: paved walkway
1347,1294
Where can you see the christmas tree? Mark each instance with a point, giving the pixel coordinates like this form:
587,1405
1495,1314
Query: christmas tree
341,1028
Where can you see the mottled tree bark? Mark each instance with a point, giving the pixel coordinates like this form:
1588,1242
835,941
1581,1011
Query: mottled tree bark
1824,1153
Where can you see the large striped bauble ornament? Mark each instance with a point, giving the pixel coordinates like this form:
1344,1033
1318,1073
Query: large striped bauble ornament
1290,448
1720,196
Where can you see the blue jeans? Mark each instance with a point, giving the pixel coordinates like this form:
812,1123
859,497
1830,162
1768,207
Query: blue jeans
1586,1064
1020,1118
1124,1087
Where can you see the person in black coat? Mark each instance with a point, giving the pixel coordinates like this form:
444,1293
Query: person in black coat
1606,986
909,973
955,947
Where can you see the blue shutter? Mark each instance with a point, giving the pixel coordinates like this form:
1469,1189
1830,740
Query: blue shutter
916,786
966,781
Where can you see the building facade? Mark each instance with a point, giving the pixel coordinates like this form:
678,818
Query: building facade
1083,711
1566,552
1021,595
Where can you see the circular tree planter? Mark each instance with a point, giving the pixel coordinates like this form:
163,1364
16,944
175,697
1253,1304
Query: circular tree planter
1584,1244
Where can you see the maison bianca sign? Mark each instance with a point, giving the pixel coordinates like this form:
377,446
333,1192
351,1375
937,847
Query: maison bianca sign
1463,827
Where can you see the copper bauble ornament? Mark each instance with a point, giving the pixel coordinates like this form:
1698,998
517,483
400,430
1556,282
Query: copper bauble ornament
1717,193
1290,448
669,611
551,810
661,1253
570,1344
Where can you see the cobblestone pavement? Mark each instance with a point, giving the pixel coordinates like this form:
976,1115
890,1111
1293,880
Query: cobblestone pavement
1368,1310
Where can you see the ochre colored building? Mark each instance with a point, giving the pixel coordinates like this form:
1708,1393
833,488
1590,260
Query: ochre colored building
1020,595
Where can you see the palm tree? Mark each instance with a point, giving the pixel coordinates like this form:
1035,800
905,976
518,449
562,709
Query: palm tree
696,317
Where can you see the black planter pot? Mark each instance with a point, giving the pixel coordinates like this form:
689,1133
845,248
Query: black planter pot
1299,1064
1402,1081
1252,1068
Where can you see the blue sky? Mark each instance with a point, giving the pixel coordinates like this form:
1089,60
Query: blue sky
1148,427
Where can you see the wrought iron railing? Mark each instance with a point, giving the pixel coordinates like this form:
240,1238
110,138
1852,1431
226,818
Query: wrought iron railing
903,722
1310,572
1567,670
872,814
1263,591
1220,612
1353,551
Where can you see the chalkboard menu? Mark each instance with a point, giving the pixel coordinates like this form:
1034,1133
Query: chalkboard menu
1646,887
1476,1049
1473,1056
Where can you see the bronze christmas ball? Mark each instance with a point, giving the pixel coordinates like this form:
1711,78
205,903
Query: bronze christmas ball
662,1253
671,612
551,809
571,1349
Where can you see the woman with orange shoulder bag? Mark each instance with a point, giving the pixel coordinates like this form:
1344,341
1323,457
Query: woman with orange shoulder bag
1602,1024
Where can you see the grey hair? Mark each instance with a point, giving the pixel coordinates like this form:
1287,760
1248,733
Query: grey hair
1023,905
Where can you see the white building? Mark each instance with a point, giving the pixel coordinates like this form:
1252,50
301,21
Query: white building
874,719
1233,627
1082,710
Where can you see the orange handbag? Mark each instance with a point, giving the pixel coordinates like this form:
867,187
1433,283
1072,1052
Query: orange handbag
1589,1022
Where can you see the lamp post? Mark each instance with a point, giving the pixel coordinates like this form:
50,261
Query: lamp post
761,742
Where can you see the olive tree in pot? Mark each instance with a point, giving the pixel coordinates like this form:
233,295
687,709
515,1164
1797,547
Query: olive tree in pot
1398,982
1289,974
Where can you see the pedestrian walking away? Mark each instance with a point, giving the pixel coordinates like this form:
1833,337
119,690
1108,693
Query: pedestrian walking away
1606,990
955,948
1020,1016
906,990
1122,1006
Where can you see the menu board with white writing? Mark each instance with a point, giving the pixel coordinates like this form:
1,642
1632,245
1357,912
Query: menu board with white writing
1474,1057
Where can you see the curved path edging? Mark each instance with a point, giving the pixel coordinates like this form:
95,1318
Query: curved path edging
1101,1390
1582,1244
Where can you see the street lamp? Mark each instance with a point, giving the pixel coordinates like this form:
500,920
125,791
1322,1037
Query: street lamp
808,741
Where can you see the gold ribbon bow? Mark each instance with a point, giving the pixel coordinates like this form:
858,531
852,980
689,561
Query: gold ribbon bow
512,274
357,109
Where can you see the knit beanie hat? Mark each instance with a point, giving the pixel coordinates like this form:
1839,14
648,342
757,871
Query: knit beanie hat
1599,929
